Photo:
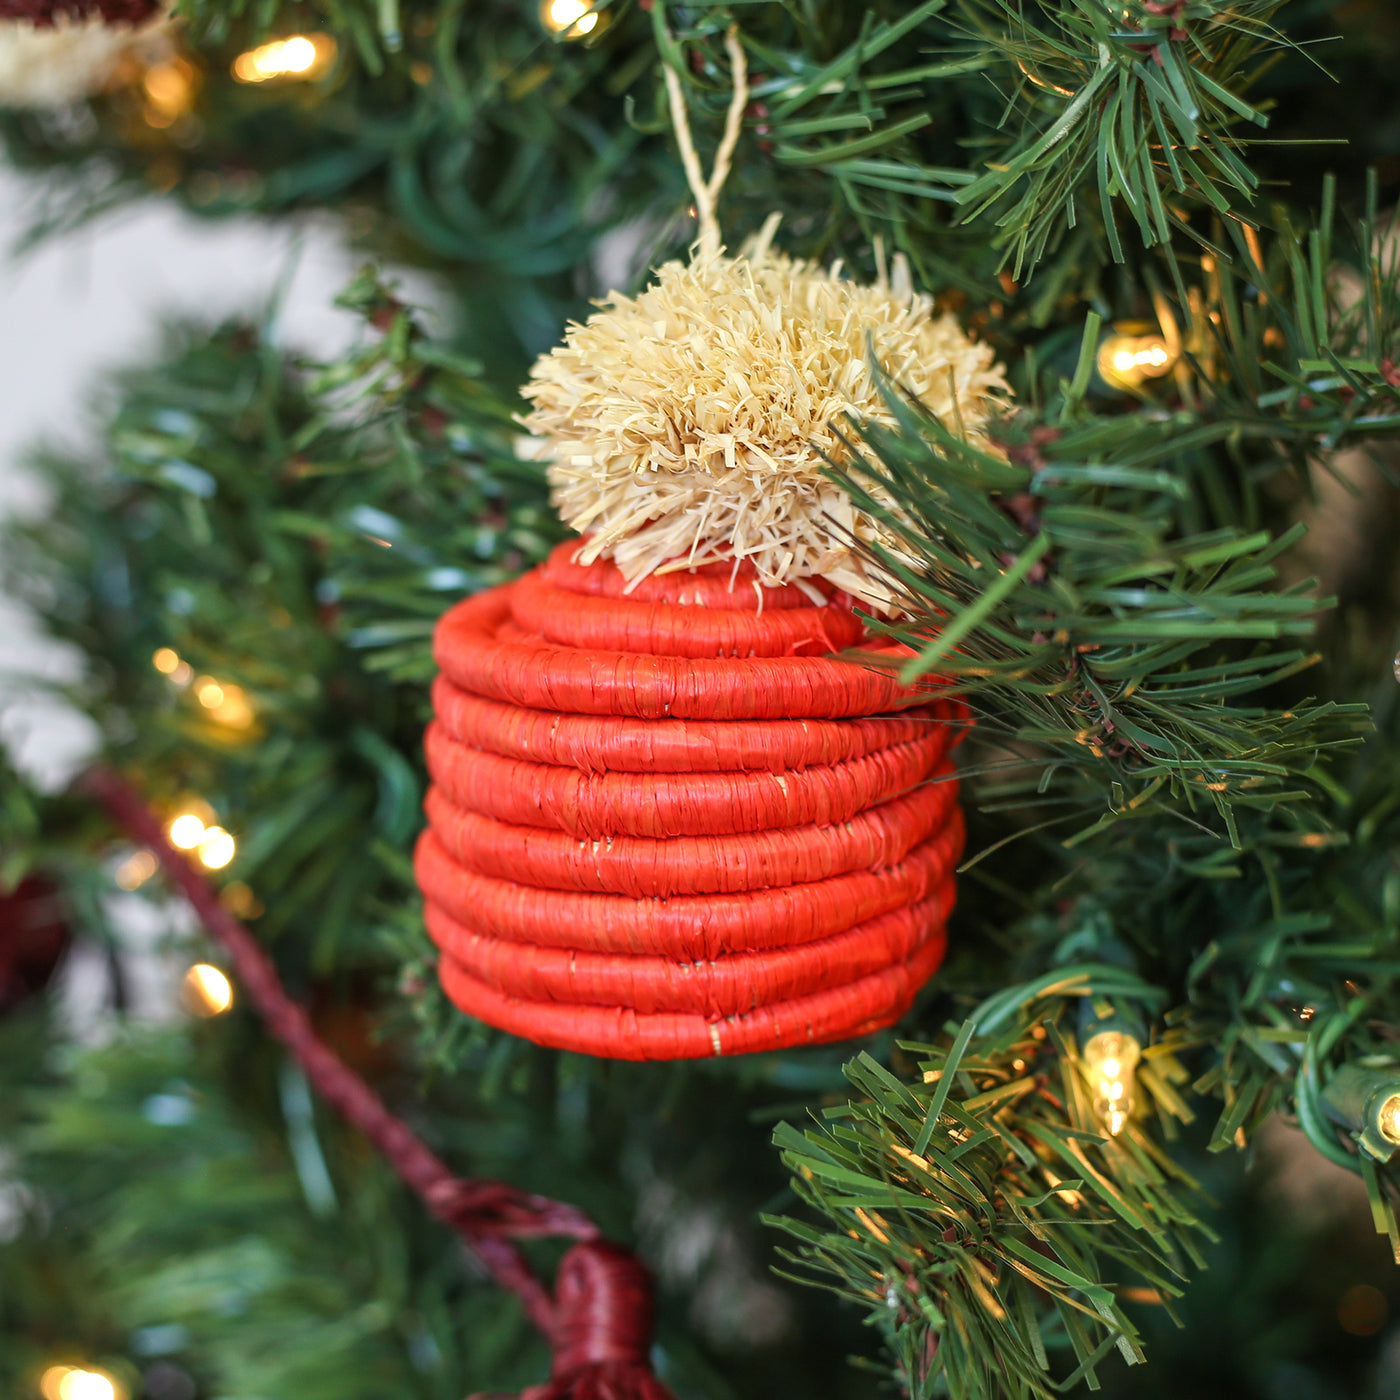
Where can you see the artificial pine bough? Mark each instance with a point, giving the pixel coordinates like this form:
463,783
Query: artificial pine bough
1104,575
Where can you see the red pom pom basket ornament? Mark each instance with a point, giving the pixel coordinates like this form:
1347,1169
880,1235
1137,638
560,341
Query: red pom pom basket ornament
678,807
689,852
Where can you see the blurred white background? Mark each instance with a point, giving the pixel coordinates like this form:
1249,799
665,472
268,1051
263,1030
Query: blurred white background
76,306
94,300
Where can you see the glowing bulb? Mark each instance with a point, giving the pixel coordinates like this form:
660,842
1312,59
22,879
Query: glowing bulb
209,693
135,870
1125,360
206,991
77,1383
169,89
48,1382
186,831
1110,1059
233,708
301,56
166,661
1388,1119
216,848
297,55
86,1385
570,18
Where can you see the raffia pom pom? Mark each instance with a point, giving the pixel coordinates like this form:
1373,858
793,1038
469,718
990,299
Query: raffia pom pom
691,424
66,56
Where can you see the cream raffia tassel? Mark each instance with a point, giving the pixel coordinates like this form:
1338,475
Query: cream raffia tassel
687,425
72,59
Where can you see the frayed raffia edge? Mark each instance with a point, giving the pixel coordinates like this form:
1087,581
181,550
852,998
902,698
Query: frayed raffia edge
693,424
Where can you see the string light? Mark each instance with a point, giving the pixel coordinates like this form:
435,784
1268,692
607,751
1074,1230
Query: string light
186,831
206,991
1388,1119
194,829
227,703
135,870
1110,1060
570,19
167,662
169,91
216,848
78,1383
1127,359
1366,1099
300,56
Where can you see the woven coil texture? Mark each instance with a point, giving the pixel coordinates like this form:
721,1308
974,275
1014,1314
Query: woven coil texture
671,823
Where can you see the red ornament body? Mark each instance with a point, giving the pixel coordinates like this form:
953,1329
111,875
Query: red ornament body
669,823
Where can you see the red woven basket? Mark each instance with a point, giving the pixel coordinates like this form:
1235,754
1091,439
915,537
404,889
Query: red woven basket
669,823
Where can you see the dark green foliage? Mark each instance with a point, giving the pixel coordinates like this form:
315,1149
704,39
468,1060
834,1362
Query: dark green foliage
1180,809
988,1220
295,532
1127,112
248,1267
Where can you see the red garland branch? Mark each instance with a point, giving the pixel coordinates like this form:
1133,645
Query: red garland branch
599,1319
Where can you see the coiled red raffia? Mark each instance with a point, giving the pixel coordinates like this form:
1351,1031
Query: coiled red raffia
598,1320
670,822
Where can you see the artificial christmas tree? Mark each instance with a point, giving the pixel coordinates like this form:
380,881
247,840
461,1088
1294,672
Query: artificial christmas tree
1175,916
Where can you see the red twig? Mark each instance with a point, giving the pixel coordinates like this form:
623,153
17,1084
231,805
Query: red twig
602,1321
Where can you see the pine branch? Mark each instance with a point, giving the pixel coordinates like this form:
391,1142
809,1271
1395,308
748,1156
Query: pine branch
1116,112
983,1218
1058,590
1094,587
293,531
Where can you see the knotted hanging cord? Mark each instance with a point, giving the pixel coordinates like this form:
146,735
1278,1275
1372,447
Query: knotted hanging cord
706,192
598,1321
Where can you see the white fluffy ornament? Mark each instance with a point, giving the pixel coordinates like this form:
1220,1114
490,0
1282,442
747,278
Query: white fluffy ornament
72,59
692,423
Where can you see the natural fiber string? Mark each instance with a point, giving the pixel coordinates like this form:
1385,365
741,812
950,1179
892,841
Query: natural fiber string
706,192
599,1320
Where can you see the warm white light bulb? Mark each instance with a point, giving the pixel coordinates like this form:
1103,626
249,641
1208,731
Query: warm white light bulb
135,870
297,55
187,831
572,18
233,707
209,692
206,991
301,56
1110,1059
1126,360
1388,1119
76,1383
216,848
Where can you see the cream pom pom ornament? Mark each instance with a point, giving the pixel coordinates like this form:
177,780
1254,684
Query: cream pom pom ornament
695,422
52,55
680,805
